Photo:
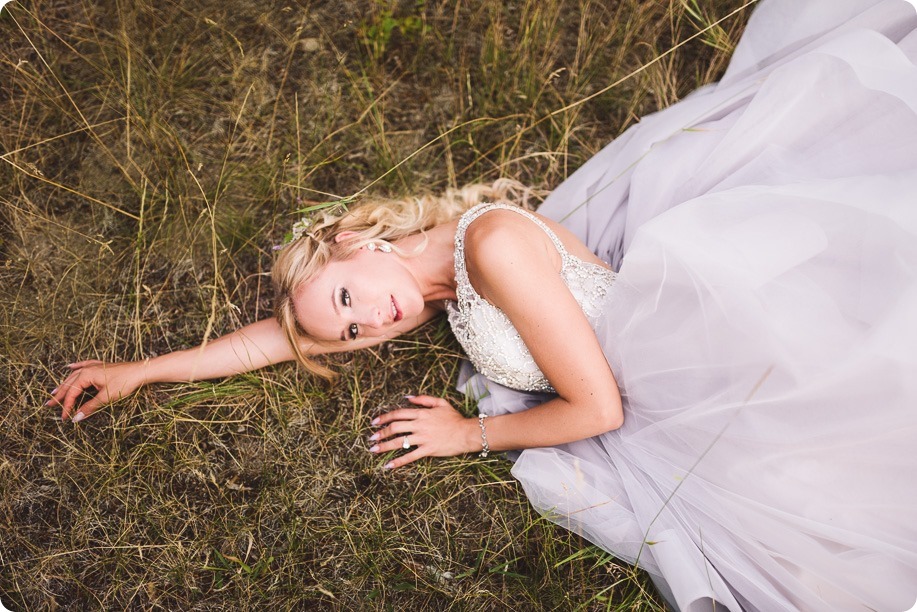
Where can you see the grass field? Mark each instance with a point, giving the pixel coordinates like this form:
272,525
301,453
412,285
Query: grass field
150,155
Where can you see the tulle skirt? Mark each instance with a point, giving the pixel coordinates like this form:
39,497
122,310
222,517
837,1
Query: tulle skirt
762,328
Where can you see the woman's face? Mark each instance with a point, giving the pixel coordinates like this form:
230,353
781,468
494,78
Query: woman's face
363,296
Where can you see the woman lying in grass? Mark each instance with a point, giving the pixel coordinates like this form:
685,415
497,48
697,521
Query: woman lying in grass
353,281
732,409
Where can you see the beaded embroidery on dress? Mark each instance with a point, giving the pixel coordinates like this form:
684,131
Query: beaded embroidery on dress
492,343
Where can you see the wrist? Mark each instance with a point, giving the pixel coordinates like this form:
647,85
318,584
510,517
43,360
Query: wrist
148,370
473,435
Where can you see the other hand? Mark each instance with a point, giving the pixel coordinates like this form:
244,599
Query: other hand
435,430
111,380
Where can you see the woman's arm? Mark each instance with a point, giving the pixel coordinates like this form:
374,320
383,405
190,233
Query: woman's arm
249,348
525,284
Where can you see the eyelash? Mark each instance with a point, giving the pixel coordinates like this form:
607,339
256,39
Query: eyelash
345,300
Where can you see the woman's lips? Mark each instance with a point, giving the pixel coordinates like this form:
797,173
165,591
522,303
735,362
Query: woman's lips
396,314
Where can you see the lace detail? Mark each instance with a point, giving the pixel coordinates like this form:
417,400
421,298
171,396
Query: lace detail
492,343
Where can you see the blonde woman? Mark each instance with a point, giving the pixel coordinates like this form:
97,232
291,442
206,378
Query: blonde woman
704,344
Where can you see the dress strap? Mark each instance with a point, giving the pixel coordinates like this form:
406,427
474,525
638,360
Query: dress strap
464,291
480,209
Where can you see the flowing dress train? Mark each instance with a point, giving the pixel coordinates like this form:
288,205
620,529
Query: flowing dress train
762,326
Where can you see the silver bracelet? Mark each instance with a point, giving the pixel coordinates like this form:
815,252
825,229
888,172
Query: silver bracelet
484,443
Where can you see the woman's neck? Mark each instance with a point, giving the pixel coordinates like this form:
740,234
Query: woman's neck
434,268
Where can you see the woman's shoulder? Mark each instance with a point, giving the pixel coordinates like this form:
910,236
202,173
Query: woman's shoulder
501,223
500,238
502,231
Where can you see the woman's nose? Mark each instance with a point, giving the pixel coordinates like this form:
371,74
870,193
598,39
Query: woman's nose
373,318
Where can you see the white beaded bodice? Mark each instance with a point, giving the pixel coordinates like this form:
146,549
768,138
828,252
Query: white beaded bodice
492,343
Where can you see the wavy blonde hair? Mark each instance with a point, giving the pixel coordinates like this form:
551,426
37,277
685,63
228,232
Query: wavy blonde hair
374,220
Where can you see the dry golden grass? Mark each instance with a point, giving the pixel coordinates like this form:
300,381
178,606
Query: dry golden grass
149,156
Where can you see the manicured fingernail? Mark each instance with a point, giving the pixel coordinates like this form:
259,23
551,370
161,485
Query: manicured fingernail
55,390
375,421
48,403
409,396
388,465
374,437
374,449
79,417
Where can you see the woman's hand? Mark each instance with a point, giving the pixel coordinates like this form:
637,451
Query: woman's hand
436,430
111,380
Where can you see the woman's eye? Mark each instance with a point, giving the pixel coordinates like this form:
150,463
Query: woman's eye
345,297
353,331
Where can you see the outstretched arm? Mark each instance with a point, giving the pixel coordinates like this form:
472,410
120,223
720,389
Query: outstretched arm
525,284
249,348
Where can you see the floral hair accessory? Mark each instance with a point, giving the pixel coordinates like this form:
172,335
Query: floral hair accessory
299,230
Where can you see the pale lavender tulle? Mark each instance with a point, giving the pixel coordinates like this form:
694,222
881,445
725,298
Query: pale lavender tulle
762,326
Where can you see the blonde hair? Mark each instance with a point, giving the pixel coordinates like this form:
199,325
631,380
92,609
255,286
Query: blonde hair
375,220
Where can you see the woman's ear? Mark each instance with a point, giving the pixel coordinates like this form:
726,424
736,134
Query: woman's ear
345,235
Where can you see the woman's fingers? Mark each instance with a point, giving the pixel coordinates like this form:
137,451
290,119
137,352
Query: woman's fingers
394,444
427,400
397,427
71,394
403,460
59,394
89,407
80,364
75,385
401,414
111,381
407,414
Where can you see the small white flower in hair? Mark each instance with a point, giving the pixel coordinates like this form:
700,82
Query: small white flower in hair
301,227
299,230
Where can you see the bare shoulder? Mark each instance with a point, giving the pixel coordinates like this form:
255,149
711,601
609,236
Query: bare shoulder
503,247
499,237
499,233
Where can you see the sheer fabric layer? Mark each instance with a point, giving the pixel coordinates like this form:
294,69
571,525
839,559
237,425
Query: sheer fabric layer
761,326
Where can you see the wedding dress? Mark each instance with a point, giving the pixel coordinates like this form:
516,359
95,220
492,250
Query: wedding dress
762,325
